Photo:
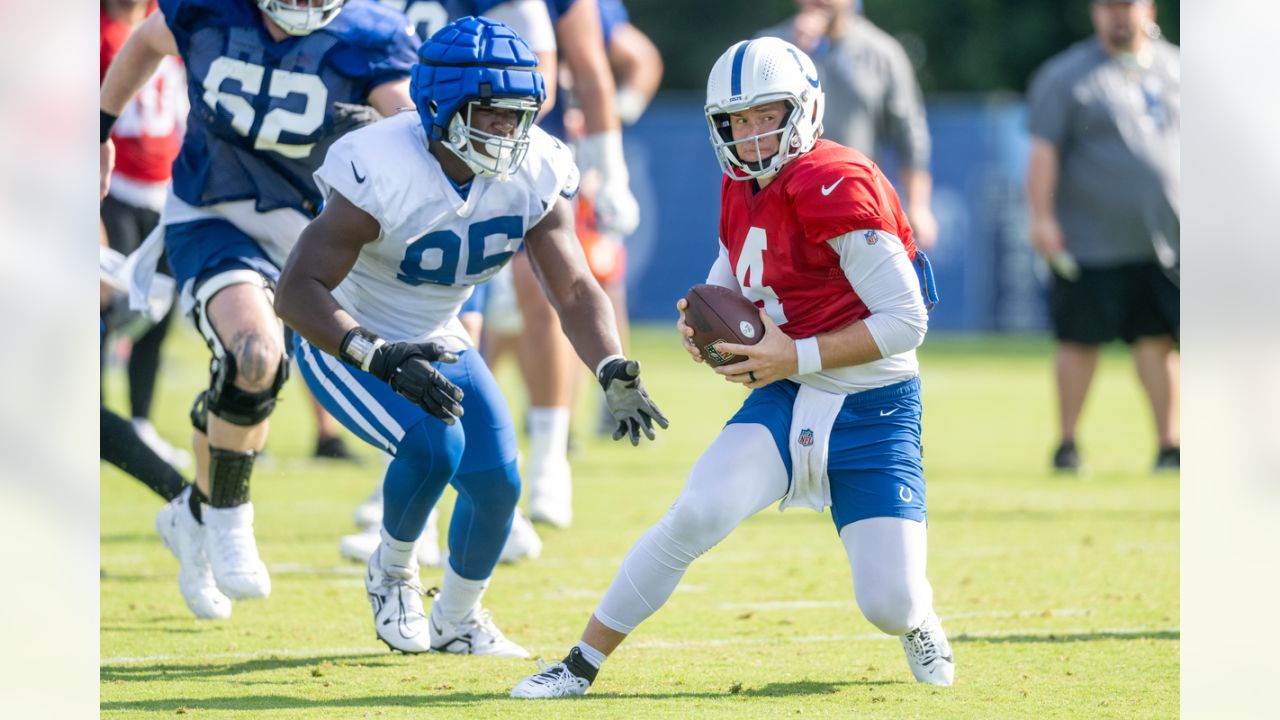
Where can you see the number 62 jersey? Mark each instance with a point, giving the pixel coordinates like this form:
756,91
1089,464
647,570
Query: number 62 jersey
262,111
435,244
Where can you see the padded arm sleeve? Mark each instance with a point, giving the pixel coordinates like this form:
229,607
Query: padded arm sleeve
881,274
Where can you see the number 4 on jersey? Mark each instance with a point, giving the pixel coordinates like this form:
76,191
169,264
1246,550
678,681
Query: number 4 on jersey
750,273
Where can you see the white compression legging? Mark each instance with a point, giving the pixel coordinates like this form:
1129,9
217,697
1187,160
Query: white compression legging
739,475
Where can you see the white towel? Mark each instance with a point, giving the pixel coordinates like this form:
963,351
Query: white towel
812,417
113,270
140,269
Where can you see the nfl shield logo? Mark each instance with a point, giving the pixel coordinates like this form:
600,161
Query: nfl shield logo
806,437
871,237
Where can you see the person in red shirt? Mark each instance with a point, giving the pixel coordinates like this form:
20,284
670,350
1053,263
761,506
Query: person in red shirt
147,138
815,236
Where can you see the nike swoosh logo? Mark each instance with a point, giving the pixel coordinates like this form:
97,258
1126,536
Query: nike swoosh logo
362,179
825,190
884,414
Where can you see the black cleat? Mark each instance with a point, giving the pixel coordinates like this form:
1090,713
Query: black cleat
1169,459
1066,459
334,448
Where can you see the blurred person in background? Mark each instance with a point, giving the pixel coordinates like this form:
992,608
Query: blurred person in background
546,359
1103,187
147,138
872,96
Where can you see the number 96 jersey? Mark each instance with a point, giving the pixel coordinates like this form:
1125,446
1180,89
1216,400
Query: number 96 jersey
262,111
435,244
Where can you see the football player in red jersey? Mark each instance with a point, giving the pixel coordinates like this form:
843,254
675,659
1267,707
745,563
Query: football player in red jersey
813,233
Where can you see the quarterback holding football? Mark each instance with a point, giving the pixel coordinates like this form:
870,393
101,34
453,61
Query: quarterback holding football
814,235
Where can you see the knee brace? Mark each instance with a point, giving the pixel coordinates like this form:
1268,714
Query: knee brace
223,398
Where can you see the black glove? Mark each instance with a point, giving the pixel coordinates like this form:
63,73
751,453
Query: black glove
352,116
406,367
628,402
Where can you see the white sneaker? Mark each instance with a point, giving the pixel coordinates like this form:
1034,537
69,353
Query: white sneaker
185,539
929,653
523,542
146,432
233,552
551,681
551,495
369,512
474,635
360,546
396,598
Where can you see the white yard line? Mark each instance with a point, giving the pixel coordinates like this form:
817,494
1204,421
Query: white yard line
643,644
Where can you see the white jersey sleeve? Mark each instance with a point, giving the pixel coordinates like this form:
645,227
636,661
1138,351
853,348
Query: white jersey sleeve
550,170
883,277
721,272
348,169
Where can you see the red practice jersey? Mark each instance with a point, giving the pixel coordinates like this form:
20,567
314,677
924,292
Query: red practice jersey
148,133
777,237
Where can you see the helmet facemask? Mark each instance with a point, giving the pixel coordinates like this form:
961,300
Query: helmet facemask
731,163
485,153
300,17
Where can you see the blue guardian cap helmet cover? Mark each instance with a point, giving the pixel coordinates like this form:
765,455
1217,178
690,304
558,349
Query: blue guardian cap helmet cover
476,62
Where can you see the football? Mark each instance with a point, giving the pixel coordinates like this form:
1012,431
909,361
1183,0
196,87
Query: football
718,314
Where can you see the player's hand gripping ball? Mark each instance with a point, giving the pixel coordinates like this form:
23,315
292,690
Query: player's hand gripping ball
717,314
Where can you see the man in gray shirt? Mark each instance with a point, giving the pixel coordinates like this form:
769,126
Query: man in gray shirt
871,94
1103,185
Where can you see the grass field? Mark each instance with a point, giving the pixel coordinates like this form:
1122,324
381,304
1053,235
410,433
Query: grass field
1060,595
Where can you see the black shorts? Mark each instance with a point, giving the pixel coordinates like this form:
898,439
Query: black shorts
1115,303
128,225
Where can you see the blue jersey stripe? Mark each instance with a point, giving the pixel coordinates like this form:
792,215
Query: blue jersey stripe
735,80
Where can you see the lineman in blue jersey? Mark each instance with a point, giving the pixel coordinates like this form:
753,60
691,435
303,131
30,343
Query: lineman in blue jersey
269,83
420,208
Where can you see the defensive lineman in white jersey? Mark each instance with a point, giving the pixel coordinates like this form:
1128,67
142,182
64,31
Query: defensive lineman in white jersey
419,208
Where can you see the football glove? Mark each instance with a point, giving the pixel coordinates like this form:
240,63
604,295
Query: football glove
628,402
406,367
352,116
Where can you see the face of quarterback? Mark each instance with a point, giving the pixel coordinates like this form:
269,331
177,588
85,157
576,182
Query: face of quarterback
1119,24
758,120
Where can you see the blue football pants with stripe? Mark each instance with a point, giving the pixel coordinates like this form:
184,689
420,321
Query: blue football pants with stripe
477,455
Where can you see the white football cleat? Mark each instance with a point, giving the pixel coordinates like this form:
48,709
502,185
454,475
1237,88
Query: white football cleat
551,494
185,539
523,542
369,512
360,546
929,653
474,635
396,598
551,681
233,552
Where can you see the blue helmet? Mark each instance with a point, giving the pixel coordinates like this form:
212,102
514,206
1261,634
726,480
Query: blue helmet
475,61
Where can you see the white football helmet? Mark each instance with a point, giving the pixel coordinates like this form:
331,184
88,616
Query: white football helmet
301,17
755,72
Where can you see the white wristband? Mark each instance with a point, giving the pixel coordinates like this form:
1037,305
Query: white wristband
808,358
600,365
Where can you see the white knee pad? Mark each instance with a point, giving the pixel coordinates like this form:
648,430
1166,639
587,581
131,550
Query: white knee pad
888,557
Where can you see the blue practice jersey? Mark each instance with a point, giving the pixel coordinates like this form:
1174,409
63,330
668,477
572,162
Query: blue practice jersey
262,111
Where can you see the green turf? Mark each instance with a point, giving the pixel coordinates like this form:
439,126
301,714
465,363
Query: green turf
1060,594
